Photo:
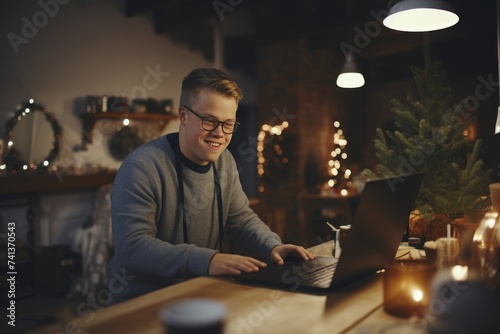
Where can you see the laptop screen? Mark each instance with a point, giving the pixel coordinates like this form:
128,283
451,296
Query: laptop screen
378,226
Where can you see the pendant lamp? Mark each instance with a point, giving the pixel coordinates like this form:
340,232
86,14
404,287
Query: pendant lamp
350,77
420,15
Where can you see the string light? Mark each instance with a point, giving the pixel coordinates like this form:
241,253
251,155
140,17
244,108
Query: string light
339,175
265,131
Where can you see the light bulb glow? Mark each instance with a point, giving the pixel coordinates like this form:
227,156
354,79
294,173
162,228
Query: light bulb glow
350,80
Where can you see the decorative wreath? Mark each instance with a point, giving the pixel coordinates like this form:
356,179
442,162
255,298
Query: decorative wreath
13,160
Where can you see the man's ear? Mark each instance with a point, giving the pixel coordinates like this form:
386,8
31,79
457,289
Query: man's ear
182,115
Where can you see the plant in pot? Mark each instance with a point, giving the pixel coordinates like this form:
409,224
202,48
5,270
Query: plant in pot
429,137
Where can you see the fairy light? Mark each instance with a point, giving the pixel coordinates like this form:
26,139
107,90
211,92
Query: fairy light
339,175
265,131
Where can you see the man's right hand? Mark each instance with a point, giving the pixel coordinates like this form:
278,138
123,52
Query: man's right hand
232,264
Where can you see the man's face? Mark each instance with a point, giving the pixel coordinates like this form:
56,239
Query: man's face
199,145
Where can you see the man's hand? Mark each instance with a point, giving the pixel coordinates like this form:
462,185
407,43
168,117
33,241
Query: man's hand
282,251
231,264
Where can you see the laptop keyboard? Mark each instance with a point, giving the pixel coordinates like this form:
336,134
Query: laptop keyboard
320,276
317,273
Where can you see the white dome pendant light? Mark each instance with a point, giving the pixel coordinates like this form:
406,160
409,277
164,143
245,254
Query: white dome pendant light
350,77
421,15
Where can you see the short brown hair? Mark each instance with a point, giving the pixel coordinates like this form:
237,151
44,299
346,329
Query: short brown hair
211,78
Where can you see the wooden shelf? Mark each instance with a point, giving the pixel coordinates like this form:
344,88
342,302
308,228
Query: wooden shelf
89,120
31,183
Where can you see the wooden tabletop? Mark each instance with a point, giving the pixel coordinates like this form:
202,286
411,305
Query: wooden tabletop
251,309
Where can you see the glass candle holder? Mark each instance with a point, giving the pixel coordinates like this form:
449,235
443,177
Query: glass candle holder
495,196
461,302
447,252
407,286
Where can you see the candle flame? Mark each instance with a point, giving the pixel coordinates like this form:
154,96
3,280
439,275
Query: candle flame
418,295
460,273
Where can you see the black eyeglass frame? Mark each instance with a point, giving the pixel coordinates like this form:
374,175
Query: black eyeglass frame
203,118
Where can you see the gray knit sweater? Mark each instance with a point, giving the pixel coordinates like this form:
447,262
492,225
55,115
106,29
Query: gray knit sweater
149,252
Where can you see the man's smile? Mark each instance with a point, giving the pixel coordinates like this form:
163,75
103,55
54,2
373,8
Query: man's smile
212,143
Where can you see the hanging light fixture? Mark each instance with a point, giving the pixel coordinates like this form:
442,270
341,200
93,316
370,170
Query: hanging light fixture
350,77
420,15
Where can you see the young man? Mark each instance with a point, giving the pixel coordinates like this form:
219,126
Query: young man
173,198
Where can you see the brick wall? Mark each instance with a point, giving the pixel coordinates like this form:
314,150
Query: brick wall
297,83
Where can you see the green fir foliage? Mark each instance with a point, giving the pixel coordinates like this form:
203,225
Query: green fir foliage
429,138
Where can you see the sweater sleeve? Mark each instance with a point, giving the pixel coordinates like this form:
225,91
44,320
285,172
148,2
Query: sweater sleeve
243,224
136,198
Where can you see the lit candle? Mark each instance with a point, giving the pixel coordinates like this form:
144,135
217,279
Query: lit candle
407,286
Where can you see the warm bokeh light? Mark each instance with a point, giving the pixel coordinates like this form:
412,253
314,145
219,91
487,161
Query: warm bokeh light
418,295
266,130
340,175
460,273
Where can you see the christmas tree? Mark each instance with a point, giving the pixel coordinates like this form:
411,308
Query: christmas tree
429,137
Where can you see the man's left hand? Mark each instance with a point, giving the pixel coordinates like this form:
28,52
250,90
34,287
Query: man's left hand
282,251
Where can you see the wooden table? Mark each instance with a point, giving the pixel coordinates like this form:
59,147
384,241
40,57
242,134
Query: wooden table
251,309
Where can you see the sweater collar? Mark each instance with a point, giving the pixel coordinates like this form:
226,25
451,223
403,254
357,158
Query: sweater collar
173,139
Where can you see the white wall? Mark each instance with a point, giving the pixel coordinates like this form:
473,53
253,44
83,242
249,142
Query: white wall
88,47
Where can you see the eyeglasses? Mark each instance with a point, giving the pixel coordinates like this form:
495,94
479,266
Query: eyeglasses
209,123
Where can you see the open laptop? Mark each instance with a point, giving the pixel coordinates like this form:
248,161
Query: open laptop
377,228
